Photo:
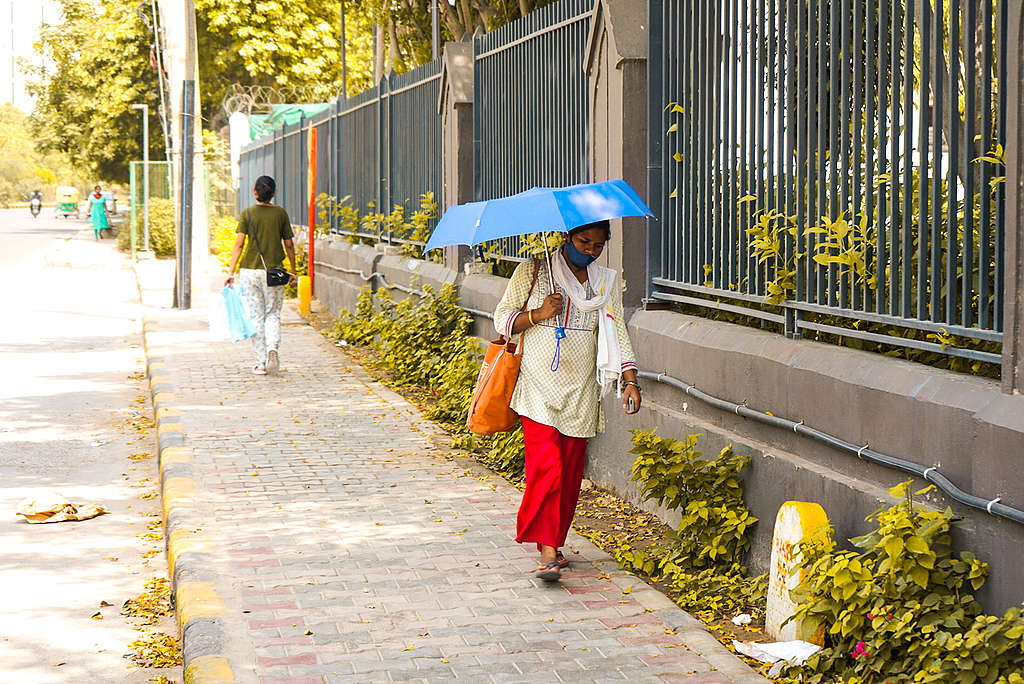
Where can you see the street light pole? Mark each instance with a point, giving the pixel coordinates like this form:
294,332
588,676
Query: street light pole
145,252
435,35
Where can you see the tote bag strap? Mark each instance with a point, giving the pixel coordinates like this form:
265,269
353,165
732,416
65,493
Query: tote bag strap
533,282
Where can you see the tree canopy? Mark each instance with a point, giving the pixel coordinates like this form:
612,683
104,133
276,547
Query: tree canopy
23,168
100,63
99,67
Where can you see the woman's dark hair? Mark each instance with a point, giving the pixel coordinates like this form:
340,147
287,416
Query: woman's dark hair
603,225
265,188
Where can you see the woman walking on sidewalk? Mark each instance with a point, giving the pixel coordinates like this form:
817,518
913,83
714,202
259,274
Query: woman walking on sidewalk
269,234
561,381
98,212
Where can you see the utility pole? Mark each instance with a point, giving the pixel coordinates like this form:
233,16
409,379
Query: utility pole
188,109
145,252
344,63
180,60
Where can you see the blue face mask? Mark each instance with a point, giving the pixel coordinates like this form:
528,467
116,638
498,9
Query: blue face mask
576,257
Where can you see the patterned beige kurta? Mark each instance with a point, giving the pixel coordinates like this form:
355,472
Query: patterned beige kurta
567,399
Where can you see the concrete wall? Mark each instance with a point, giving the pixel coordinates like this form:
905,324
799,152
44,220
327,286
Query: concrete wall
964,425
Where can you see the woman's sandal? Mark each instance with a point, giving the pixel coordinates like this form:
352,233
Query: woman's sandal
562,561
549,572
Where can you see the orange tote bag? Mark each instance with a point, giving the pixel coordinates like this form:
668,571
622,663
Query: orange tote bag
490,411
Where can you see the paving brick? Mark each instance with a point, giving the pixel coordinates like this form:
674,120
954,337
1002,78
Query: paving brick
355,528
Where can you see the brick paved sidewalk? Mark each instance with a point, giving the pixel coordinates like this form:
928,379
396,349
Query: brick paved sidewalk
349,549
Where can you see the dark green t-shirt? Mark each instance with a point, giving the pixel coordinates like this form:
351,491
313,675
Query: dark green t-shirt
265,228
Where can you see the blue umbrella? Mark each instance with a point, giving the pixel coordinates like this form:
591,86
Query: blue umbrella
534,211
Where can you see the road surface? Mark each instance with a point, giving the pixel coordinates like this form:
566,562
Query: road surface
70,380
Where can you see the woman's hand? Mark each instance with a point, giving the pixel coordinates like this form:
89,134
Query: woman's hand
551,307
229,281
293,279
631,392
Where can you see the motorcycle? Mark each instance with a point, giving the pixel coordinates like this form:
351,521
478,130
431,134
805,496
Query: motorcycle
35,206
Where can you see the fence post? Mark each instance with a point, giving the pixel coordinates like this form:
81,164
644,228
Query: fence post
133,185
1013,255
615,61
655,122
455,105
336,162
300,137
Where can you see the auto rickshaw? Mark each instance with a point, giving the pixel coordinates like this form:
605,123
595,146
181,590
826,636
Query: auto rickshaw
67,201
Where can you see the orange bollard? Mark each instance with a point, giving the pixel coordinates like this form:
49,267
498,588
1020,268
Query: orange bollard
305,293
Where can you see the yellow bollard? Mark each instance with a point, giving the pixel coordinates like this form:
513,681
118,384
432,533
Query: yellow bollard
304,294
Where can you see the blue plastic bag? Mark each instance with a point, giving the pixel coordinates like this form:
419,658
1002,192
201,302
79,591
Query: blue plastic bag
228,318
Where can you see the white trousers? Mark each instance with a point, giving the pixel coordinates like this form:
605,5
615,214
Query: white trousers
264,306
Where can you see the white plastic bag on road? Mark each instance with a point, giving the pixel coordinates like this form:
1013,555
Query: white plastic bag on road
777,652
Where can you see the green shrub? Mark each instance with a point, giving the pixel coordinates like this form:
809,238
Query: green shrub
703,560
507,455
223,232
161,229
301,269
992,650
453,385
713,529
894,609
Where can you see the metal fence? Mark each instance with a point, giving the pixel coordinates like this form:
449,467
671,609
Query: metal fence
842,159
221,198
530,104
281,155
378,149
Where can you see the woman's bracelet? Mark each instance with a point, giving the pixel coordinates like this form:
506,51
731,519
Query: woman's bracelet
634,384
529,315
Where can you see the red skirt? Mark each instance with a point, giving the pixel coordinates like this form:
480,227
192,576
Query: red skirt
554,470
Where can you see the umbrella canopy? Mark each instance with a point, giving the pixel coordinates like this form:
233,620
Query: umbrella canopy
536,210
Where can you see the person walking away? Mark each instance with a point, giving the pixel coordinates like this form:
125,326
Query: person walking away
561,381
98,212
268,232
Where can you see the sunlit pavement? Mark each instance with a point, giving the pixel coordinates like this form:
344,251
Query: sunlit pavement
348,549
69,340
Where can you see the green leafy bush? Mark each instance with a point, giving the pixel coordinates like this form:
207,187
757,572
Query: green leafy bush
713,529
223,232
373,317
454,382
372,225
991,651
161,229
507,455
301,269
703,562
894,609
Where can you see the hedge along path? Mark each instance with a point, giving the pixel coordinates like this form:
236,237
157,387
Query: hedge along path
198,607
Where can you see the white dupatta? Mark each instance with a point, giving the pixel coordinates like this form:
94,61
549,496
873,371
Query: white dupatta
602,280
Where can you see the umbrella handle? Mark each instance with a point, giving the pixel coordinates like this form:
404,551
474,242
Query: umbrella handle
551,279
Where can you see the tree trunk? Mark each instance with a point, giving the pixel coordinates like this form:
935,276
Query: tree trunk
449,15
394,53
378,53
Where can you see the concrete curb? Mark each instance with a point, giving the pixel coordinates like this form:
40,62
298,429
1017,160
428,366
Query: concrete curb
198,607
